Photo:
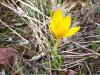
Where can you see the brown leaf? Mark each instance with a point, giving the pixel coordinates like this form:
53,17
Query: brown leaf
2,27
7,56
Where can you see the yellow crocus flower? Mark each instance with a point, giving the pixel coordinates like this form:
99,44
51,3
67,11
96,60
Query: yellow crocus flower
60,25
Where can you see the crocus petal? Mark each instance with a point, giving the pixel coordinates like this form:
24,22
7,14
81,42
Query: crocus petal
60,31
53,27
59,35
64,25
72,31
67,22
57,18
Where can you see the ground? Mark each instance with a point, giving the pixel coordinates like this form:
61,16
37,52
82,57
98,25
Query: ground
24,29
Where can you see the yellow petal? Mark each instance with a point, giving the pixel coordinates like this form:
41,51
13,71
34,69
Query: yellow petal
59,35
57,18
52,27
67,22
72,31
61,31
64,25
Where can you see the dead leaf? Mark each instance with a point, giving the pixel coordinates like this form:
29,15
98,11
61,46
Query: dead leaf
2,27
7,56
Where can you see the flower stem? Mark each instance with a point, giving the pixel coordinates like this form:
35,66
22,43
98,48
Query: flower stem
57,43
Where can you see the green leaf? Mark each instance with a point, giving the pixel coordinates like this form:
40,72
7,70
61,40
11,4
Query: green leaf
94,46
98,9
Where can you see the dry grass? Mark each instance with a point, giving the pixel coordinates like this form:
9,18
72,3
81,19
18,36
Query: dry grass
80,52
